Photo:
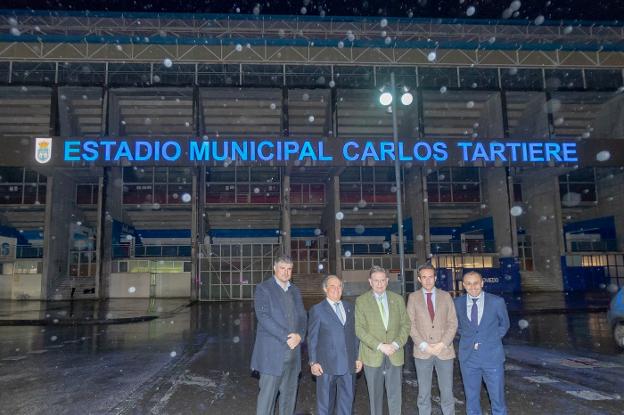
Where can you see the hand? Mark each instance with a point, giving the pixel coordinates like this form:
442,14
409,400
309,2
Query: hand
316,369
358,366
293,340
437,348
387,349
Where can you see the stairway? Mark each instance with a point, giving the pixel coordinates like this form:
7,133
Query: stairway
309,284
533,281
81,284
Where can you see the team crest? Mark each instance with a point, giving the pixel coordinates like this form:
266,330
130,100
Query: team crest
43,150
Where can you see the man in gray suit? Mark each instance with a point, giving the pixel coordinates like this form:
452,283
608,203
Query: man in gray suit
434,323
281,328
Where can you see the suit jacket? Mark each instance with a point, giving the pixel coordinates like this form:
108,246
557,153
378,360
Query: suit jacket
332,345
489,334
370,329
272,330
441,329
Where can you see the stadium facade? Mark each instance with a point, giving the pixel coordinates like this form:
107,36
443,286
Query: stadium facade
153,155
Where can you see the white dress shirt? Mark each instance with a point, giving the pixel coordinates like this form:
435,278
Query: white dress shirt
480,304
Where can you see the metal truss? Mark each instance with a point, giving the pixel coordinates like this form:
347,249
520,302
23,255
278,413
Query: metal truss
146,37
227,53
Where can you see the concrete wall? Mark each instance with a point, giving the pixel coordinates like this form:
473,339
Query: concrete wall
173,285
27,286
120,285
20,287
137,285
6,287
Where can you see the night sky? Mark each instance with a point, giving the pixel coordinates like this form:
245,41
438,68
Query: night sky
528,10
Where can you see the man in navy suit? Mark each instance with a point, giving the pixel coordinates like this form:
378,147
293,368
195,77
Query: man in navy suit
333,350
483,322
281,328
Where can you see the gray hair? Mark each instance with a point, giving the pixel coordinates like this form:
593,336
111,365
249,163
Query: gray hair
284,259
327,278
425,266
375,269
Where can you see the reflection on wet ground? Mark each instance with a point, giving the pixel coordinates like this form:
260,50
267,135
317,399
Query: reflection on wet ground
196,360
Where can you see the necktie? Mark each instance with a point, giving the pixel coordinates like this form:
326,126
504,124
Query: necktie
338,312
382,310
430,306
474,313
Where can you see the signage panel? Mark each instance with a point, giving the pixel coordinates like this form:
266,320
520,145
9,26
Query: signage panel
110,151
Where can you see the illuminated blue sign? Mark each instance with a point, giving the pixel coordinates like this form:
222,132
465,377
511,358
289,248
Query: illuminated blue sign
323,151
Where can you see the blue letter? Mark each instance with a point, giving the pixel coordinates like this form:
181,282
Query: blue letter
177,153
345,152
322,156
240,150
90,147
440,153
137,150
123,151
261,155
70,147
569,152
307,151
199,153
464,145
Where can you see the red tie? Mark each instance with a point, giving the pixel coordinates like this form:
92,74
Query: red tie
430,306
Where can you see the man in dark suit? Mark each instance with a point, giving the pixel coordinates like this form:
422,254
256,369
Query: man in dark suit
483,322
281,328
333,350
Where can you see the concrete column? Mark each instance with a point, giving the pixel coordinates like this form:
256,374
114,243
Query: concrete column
109,209
497,191
331,226
609,122
285,226
533,122
610,191
544,223
60,212
610,202
495,187
417,208
491,119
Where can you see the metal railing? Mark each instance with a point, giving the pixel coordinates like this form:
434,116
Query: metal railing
151,251
467,246
28,251
602,245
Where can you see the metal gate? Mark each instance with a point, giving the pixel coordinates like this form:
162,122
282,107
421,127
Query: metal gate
230,271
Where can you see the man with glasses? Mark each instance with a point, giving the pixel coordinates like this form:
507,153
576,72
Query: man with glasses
382,325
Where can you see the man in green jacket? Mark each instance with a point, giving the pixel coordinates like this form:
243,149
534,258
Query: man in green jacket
383,326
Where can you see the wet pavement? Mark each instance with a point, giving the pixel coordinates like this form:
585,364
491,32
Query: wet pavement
195,360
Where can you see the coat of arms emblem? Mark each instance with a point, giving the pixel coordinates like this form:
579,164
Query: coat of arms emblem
43,150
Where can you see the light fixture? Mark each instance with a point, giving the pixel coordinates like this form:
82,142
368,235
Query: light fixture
385,98
407,98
